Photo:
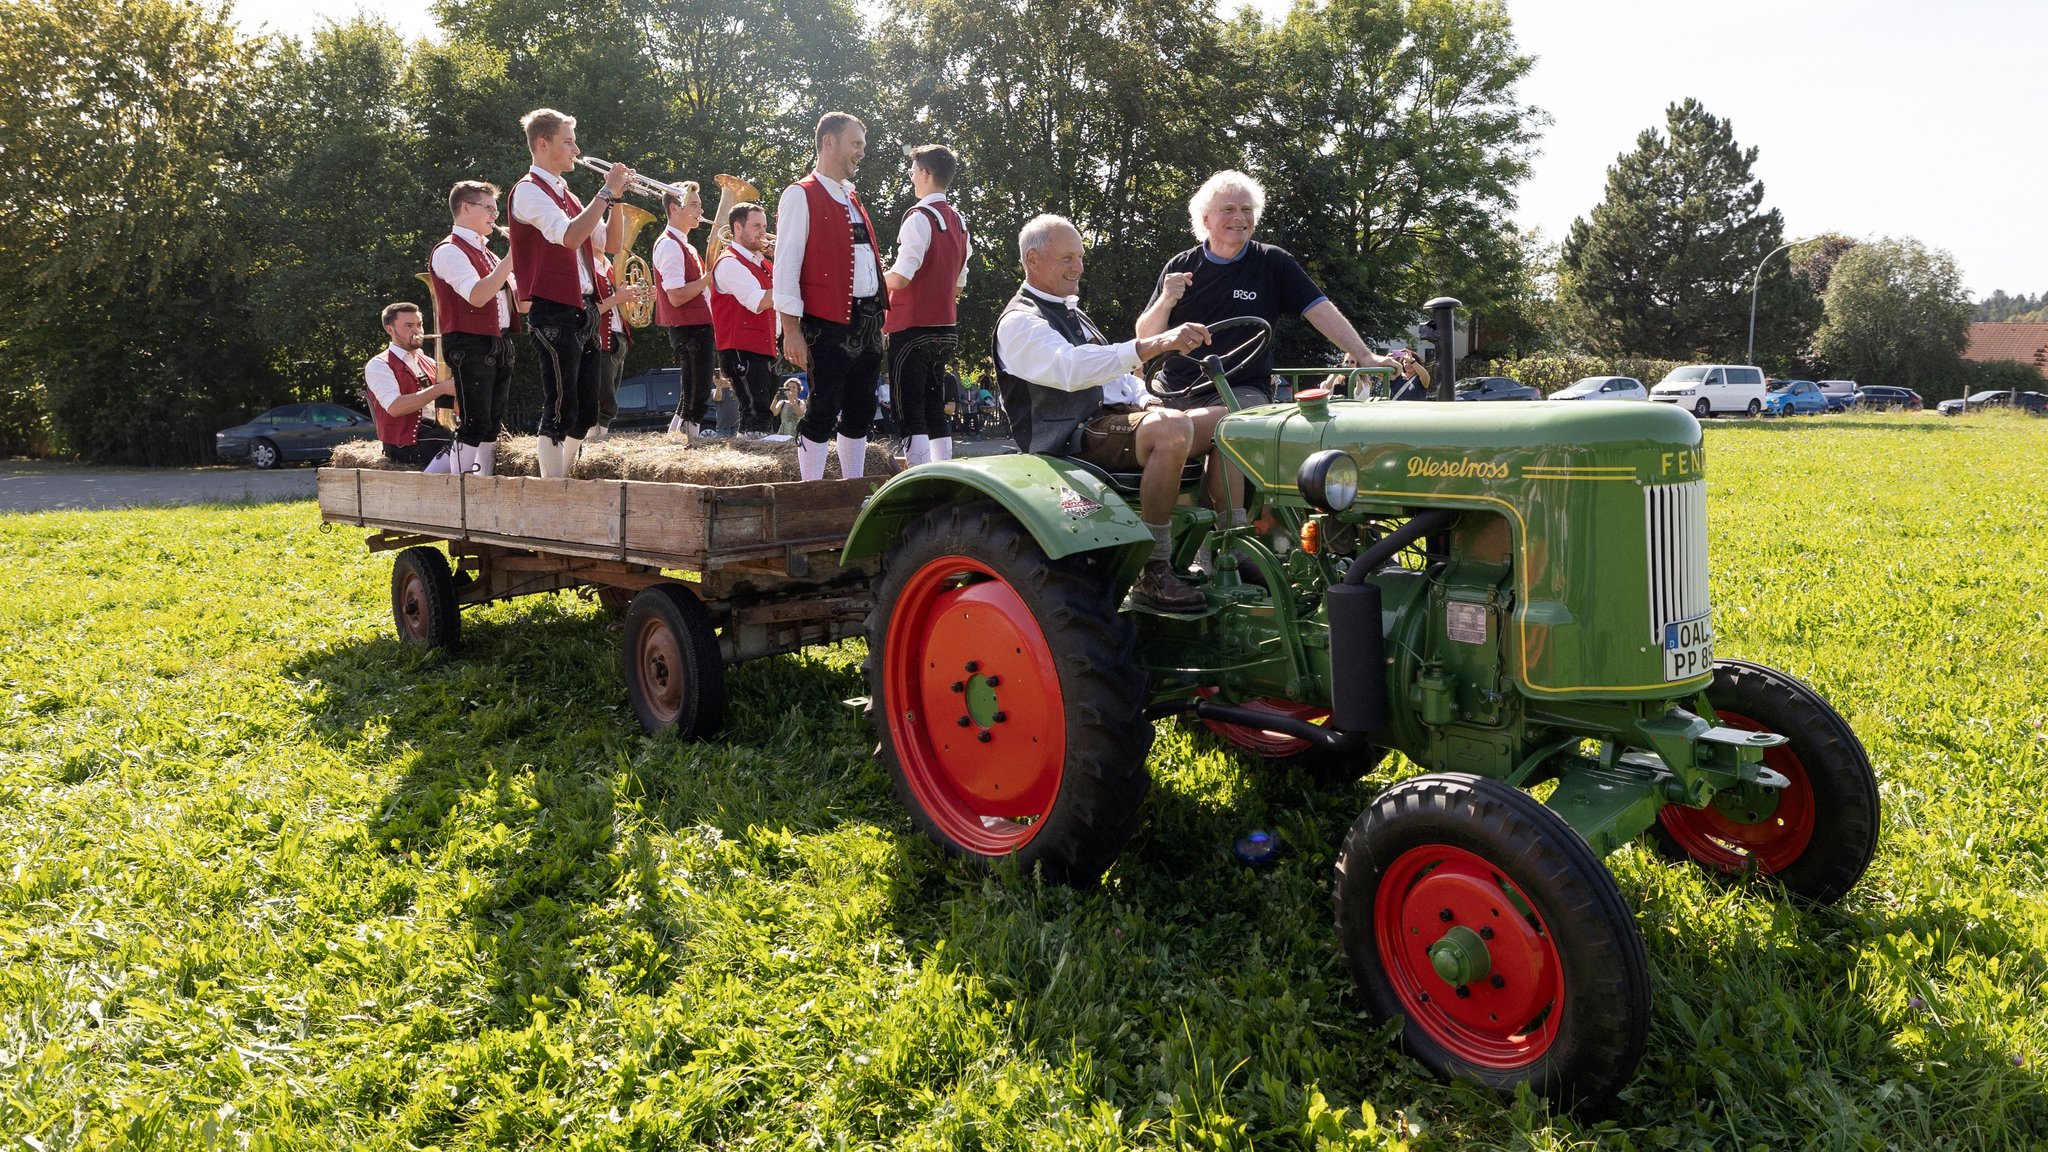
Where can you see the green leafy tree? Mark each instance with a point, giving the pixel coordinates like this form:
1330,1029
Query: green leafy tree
1663,266
1896,313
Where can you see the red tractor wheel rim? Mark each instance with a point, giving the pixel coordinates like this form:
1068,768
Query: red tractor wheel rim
1269,744
1508,1015
974,706
660,659
412,605
1773,843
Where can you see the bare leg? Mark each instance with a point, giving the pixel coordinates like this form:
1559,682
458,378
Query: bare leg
1164,439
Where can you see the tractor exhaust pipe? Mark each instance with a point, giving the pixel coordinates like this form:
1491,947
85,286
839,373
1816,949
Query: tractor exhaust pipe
1358,640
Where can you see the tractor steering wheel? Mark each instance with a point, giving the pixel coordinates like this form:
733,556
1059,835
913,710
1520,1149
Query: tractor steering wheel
1215,364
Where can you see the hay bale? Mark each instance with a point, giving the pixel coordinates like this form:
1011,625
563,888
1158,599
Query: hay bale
653,456
360,454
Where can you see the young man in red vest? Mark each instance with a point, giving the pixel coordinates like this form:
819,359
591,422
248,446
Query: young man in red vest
828,290
473,305
683,306
402,389
924,285
551,243
743,314
614,337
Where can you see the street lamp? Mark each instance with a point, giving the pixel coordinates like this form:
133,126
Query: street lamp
1753,281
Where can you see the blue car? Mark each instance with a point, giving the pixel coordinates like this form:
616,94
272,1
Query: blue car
1795,398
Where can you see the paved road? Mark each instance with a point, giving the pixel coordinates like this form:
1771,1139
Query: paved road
42,486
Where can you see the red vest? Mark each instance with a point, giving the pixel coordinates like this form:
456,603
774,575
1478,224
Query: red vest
456,313
400,430
607,334
548,270
697,310
826,282
929,300
732,325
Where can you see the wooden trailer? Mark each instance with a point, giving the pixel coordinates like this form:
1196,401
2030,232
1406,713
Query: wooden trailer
712,575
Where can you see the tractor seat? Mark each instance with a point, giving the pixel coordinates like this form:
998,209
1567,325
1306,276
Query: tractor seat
1126,483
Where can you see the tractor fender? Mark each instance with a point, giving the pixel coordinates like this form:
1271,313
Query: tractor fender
1065,507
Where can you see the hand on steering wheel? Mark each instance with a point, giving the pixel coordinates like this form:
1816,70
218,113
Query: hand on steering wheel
1216,363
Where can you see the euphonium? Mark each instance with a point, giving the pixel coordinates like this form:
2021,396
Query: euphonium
639,312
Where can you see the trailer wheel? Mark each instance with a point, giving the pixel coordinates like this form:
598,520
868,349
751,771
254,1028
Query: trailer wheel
674,673
1478,916
423,604
1280,748
1815,836
1003,696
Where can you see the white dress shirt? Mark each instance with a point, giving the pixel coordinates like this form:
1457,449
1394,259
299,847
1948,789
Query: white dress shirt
915,239
793,231
1035,351
382,384
740,284
532,206
452,265
670,262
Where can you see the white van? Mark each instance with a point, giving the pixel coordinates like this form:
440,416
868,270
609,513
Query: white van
1710,388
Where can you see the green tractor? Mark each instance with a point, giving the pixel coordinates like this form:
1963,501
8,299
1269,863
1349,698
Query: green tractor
1508,594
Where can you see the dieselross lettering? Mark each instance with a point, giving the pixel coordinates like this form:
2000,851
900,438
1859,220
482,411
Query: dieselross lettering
1463,468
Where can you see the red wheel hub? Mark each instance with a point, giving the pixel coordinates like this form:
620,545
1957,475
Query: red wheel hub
661,669
1442,909
1271,745
974,706
412,605
1725,836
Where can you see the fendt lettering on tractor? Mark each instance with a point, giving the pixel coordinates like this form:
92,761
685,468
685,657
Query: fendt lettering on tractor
1507,594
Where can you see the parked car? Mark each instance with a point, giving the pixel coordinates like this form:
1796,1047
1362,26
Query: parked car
1884,398
292,432
1842,395
647,400
1795,398
1710,388
2033,402
1495,388
1603,388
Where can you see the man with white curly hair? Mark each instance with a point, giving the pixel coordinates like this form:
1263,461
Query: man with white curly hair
1229,274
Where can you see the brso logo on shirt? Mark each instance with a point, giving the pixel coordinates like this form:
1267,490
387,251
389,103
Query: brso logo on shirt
1243,294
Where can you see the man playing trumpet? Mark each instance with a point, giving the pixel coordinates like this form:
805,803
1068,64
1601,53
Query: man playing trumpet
552,246
474,306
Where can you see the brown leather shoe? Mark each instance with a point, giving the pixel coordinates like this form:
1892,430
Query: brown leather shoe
1159,589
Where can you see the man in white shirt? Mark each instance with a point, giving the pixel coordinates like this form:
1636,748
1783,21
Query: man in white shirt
828,292
552,244
682,306
743,317
1069,392
402,388
473,310
924,285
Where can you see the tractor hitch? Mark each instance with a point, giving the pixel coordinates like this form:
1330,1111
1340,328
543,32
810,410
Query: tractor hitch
1323,738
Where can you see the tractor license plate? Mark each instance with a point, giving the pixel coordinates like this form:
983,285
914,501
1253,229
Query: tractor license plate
1689,648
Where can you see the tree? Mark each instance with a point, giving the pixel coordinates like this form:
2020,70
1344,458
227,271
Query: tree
1663,267
1896,313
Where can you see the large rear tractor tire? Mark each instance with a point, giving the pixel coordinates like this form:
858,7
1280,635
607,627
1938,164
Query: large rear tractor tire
1003,696
423,604
674,673
1815,836
1475,914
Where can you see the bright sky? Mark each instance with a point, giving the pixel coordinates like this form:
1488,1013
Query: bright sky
1871,117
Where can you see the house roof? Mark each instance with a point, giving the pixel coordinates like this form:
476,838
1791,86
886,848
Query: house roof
2026,343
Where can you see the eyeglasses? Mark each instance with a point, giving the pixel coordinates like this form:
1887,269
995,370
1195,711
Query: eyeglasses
483,204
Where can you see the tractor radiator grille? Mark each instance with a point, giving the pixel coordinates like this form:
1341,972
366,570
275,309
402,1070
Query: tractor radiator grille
1678,553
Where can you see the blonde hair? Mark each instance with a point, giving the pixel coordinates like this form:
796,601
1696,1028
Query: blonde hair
1213,188
543,123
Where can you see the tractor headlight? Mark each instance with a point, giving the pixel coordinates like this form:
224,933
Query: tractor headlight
1328,480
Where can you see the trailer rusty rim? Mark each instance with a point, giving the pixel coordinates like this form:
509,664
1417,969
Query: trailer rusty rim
658,654
412,605
1265,742
1468,956
975,711
1769,829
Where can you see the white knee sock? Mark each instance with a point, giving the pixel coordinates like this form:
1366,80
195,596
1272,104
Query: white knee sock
675,424
571,448
810,459
919,451
599,432
942,447
853,457
442,464
465,458
487,459
549,457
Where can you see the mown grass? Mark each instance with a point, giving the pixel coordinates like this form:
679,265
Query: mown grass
270,880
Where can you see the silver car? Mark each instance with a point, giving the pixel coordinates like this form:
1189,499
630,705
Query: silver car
1603,388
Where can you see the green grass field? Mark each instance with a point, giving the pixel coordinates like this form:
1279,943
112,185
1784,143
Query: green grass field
270,880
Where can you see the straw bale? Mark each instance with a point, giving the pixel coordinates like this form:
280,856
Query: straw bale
656,456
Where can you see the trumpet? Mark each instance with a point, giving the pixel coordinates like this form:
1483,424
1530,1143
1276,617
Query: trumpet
644,185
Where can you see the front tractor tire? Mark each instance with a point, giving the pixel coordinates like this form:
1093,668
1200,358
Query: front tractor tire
1003,696
1815,836
1482,920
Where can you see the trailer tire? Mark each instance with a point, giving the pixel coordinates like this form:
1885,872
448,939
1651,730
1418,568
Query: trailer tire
1002,694
669,655
1820,833
423,604
1552,985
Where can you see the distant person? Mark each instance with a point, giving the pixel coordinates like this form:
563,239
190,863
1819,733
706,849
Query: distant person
924,286
1411,379
402,390
789,406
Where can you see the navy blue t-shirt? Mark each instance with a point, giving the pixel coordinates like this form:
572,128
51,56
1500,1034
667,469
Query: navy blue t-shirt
1263,281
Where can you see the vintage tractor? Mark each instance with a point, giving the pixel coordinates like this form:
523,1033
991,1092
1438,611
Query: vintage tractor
1509,594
